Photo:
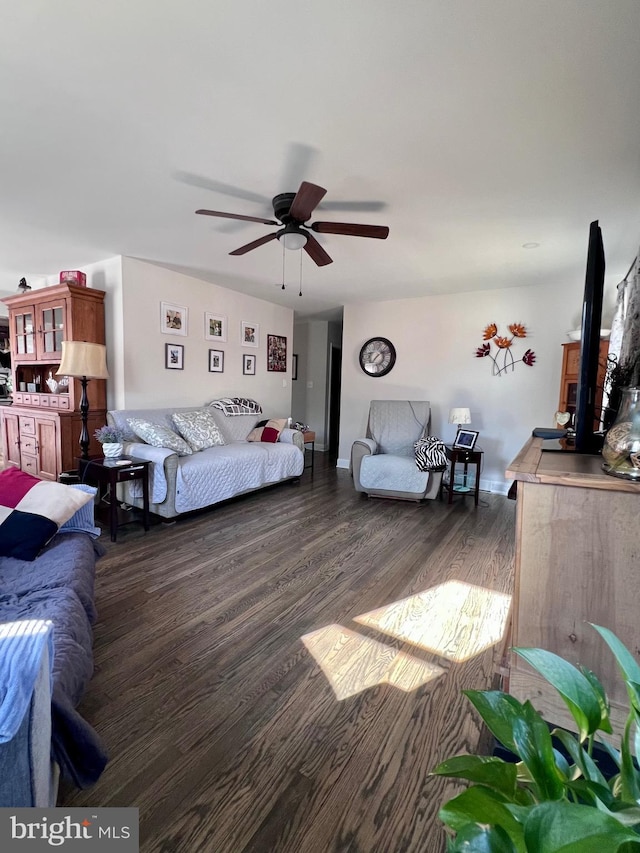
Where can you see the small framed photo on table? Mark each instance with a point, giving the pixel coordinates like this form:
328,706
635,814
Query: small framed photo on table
174,356
465,439
216,361
249,365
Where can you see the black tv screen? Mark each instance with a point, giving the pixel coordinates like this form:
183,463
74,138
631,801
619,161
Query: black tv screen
586,419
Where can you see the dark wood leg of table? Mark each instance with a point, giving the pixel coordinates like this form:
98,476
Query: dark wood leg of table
477,491
451,481
145,501
113,510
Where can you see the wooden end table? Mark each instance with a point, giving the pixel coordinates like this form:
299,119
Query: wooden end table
459,456
110,472
309,437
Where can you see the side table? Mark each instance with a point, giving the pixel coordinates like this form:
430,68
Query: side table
458,456
110,472
309,437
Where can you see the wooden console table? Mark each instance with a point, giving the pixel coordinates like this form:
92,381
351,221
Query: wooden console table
577,556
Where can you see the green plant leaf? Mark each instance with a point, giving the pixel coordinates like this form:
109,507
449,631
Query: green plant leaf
533,744
500,713
629,782
625,660
490,771
563,827
575,689
594,681
479,805
482,839
580,757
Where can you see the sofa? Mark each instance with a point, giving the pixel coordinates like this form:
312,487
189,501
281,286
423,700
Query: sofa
46,662
184,482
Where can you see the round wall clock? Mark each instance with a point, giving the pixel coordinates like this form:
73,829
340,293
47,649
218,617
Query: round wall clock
377,356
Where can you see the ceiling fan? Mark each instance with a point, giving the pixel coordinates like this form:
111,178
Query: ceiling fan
292,211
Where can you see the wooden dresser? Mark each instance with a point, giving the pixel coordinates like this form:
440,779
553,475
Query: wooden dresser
41,430
577,557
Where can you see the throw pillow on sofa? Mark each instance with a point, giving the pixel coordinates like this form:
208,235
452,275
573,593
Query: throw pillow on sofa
158,435
268,430
199,429
32,510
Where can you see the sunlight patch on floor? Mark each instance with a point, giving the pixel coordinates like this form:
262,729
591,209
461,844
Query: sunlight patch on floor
352,662
455,620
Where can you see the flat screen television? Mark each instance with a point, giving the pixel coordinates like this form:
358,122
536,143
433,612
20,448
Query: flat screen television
586,417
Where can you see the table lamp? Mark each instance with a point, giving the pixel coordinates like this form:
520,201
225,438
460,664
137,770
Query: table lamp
83,361
459,416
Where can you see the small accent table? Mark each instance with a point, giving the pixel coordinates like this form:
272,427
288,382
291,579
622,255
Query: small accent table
309,437
110,472
458,456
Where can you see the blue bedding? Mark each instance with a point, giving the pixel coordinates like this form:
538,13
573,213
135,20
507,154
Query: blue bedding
58,586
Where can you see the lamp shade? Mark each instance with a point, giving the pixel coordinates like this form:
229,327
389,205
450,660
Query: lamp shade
459,416
80,358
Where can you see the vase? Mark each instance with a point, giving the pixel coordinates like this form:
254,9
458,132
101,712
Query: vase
621,451
112,449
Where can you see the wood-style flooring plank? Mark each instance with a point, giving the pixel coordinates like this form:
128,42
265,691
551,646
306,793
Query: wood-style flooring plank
224,729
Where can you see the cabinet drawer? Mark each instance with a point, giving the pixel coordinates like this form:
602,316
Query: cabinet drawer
28,444
29,464
17,396
27,425
35,399
44,401
63,402
26,399
133,474
53,402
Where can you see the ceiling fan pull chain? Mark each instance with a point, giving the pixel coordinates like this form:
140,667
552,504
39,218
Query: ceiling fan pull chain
283,262
300,294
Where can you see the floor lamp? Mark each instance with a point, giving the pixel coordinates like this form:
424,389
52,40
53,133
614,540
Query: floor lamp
83,361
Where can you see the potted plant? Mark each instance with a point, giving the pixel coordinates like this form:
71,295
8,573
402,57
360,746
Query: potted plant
554,798
111,440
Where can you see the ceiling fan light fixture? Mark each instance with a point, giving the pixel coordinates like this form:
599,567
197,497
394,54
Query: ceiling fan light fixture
292,237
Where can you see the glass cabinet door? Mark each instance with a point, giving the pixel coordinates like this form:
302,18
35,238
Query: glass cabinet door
24,334
51,330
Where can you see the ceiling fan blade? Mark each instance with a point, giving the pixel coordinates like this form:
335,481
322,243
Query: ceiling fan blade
316,252
350,229
305,201
204,183
237,216
260,242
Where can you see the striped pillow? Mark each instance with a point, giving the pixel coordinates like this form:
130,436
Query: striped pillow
31,511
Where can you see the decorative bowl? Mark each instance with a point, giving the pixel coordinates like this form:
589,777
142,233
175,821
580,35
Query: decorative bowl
576,334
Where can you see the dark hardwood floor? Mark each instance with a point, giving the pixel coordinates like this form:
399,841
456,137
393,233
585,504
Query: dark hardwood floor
221,722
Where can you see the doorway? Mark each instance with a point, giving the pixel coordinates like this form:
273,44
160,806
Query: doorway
335,374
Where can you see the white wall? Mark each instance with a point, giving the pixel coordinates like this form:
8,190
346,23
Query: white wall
148,383
436,338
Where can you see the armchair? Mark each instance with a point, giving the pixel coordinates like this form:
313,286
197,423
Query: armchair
383,464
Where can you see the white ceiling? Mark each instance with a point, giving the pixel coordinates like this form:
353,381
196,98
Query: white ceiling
479,125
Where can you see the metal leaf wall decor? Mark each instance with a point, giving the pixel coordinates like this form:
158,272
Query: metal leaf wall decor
502,358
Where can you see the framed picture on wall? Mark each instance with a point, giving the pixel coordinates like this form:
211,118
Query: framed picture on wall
249,334
216,361
173,319
174,356
249,365
215,327
277,353
294,366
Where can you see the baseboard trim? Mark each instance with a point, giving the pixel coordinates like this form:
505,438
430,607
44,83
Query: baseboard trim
342,463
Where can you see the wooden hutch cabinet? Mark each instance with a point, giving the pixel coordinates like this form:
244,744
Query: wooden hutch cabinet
41,430
571,373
